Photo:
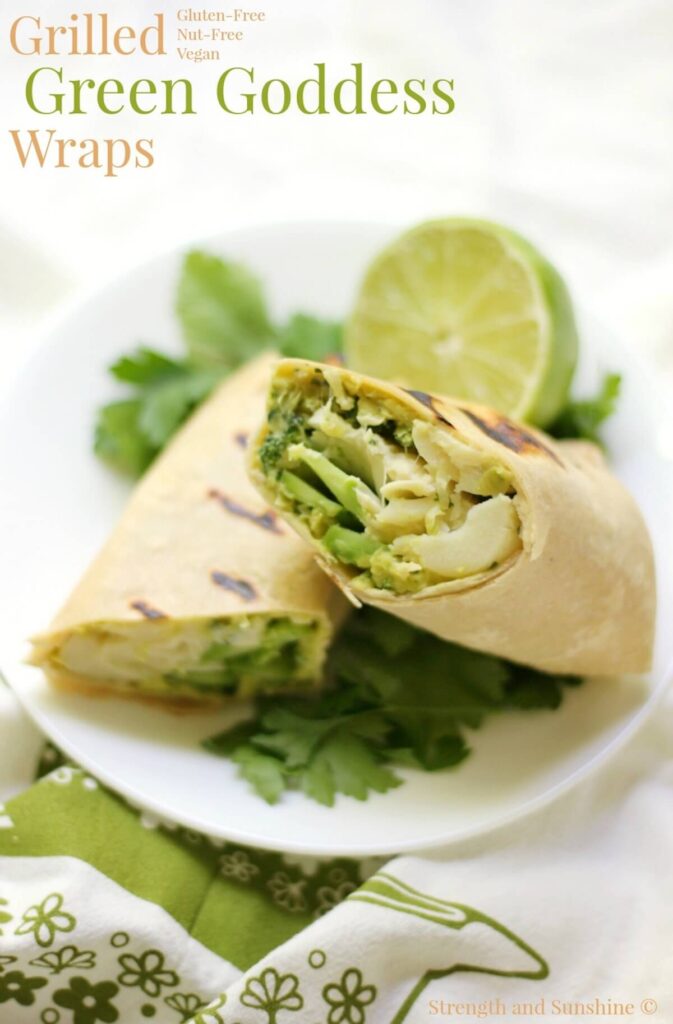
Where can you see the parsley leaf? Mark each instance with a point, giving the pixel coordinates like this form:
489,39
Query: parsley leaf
397,697
118,439
264,773
166,406
346,763
582,418
222,311
144,367
130,433
224,319
307,337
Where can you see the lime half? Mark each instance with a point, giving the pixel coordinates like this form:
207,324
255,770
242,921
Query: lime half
470,309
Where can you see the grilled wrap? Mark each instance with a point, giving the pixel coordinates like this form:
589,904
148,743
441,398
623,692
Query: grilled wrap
453,517
201,590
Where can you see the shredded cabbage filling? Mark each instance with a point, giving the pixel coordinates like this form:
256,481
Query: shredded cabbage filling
403,503
195,658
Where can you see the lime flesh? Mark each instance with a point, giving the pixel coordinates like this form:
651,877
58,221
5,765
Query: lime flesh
469,309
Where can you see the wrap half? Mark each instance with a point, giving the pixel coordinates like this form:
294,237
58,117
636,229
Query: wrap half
201,590
452,517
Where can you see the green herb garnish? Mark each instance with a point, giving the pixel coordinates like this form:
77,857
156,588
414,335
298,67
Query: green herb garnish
582,418
397,697
224,322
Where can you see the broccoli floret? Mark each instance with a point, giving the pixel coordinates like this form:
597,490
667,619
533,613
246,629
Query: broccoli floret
290,431
271,452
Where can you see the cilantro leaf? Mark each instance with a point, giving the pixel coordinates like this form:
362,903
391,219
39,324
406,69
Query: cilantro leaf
145,366
397,696
432,749
166,405
226,742
222,311
292,737
130,433
266,774
307,337
345,763
118,439
430,677
582,418
529,689
223,315
389,634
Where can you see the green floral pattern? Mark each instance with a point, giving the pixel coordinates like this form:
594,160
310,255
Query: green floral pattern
126,980
210,1014
186,1004
16,987
70,958
45,919
4,916
90,1003
348,998
148,971
288,892
329,896
273,992
238,865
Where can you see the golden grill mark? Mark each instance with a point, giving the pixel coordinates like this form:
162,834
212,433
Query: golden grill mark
266,520
147,610
241,439
237,586
429,402
511,435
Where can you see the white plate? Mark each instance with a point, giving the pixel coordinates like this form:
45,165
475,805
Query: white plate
58,503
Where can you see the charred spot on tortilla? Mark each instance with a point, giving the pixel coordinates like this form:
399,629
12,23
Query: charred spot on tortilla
421,396
511,435
266,520
241,439
237,586
147,611
429,402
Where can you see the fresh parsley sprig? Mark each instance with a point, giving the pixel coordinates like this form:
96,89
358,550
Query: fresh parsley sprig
224,322
398,697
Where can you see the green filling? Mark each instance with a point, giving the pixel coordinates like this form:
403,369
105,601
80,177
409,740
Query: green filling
342,485
404,504
307,495
351,547
197,658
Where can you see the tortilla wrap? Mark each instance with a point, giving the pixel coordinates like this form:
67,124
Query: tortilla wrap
196,551
571,585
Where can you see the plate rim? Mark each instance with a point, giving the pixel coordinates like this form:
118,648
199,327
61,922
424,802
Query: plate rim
584,772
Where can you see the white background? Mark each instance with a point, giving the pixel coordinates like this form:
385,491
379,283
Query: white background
563,126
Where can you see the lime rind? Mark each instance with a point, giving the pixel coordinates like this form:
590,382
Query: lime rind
472,309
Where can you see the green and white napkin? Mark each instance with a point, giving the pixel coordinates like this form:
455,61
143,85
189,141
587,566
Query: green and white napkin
107,914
